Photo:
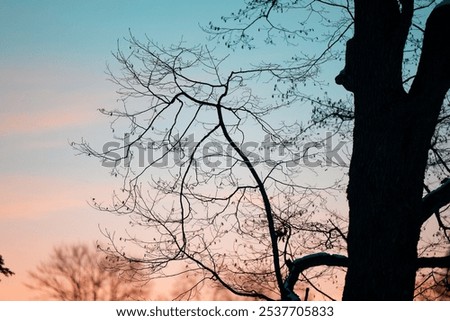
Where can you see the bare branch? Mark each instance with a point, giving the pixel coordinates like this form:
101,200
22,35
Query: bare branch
433,262
299,265
435,200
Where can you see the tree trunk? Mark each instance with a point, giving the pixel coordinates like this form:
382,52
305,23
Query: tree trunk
392,135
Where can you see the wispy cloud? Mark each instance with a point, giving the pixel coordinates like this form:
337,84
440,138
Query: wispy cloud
31,197
41,121
47,97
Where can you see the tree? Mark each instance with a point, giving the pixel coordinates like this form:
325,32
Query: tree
385,191
399,134
3,269
214,212
77,273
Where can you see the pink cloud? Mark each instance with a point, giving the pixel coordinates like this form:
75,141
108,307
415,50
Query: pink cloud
32,122
34,196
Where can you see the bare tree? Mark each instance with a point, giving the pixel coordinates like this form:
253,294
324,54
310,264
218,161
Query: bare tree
232,213
79,273
221,209
3,269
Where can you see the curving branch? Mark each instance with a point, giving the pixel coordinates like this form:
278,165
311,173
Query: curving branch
435,200
262,191
299,265
433,262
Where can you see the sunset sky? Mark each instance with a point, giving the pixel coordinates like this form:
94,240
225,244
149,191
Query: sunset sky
53,57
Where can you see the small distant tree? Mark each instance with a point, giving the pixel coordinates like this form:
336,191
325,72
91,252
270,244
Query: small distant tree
3,269
79,273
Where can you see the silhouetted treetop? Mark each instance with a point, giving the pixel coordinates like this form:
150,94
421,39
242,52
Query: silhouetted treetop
3,269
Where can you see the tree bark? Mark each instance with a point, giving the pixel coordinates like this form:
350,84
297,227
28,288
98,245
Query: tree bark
392,135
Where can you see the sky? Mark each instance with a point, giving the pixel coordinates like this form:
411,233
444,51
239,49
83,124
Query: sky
53,58
53,61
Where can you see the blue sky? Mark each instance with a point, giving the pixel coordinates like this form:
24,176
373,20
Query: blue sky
74,31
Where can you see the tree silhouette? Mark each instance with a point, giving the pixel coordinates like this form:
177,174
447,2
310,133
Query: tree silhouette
385,191
229,213
246,227
78,273
3,269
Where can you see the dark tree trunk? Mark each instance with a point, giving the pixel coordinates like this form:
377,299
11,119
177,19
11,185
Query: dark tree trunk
392,135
